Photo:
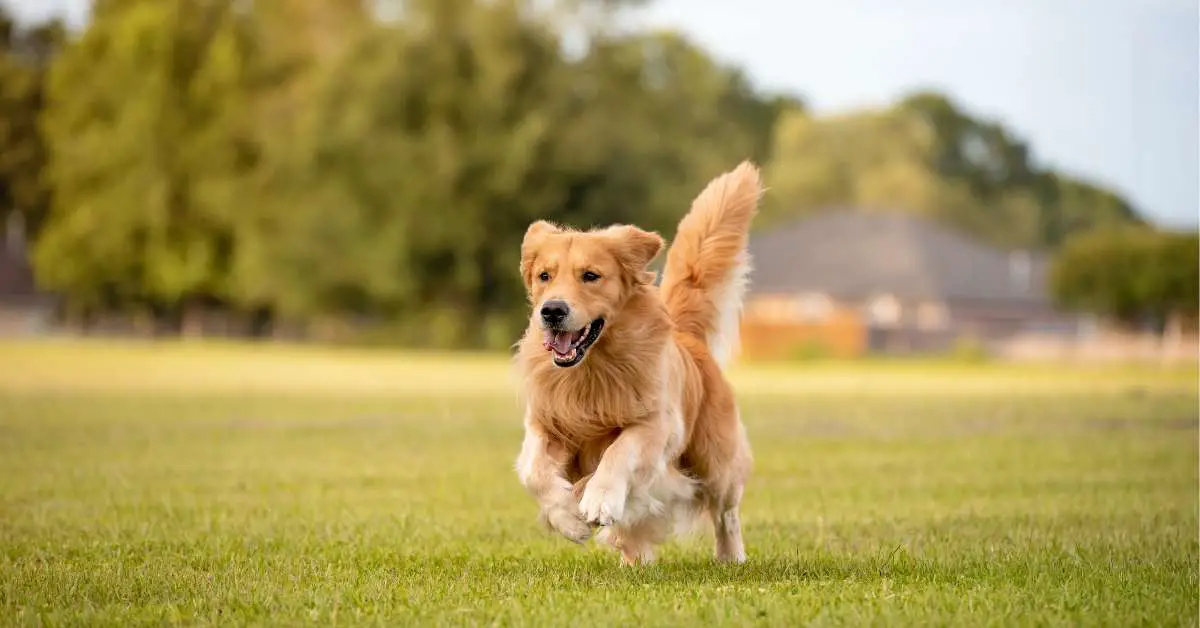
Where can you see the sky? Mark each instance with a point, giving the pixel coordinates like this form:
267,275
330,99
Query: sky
1106,90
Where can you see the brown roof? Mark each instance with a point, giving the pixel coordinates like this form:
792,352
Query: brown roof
854,254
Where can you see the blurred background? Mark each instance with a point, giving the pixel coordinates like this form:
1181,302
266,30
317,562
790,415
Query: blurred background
1015,179
259,276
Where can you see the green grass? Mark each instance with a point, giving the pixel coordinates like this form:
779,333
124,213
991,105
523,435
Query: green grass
225,485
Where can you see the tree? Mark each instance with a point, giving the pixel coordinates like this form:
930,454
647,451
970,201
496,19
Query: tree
925,155
414,159
440,137
25,56
757,112
1132,275
148,142
372,161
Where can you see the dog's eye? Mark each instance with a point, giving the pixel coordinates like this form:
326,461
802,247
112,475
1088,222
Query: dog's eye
590,276
545,276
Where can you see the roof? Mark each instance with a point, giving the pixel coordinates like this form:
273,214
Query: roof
857,254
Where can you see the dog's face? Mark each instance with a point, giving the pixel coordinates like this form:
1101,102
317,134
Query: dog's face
579,281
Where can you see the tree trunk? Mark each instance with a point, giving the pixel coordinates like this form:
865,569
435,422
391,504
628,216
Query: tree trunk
261,323
1172,334
192,323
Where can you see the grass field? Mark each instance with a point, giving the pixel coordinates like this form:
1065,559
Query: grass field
226,485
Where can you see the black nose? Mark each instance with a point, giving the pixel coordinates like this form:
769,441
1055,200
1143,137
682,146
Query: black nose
555,312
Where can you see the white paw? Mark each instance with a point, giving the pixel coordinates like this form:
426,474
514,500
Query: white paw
602,503
734,557
568,523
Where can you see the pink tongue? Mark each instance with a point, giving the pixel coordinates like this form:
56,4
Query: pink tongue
559,340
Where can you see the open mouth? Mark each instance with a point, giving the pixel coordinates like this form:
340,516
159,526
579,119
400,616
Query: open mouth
570,346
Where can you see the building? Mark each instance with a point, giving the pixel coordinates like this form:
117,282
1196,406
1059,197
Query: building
847,283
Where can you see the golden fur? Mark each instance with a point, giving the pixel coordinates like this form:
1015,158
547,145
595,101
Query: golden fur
644,433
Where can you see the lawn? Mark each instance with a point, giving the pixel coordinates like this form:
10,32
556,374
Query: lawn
227,485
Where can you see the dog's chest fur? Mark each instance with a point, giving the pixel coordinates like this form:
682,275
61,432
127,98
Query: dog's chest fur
588,403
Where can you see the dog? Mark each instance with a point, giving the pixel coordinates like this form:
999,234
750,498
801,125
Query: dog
630,424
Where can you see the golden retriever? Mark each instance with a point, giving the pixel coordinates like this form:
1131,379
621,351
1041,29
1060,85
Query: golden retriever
630,423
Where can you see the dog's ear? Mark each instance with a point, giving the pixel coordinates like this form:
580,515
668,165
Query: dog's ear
636,248
534,236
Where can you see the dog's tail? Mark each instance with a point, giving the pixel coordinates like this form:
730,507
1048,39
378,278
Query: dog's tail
706,271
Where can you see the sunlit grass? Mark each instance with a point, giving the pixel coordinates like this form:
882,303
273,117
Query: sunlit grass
184,367
228,485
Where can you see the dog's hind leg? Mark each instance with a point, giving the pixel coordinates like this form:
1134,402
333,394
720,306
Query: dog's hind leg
727,526
725,474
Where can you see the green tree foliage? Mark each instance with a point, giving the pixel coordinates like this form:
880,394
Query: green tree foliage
315,161
1133,275
467,128
379,161
758,113
430,142
25,57
927,156
148,142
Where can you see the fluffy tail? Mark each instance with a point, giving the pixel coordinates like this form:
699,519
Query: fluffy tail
705,276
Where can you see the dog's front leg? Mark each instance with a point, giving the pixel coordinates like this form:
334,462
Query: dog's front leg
541,467
637,454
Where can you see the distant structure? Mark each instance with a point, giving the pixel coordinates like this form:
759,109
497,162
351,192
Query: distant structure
24,310
846,283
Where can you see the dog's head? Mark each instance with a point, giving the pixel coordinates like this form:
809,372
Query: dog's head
578,282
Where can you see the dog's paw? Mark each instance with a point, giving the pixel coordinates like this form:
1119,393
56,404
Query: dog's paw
568,523
602,504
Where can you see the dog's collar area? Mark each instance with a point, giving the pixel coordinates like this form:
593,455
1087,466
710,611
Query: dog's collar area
569,347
